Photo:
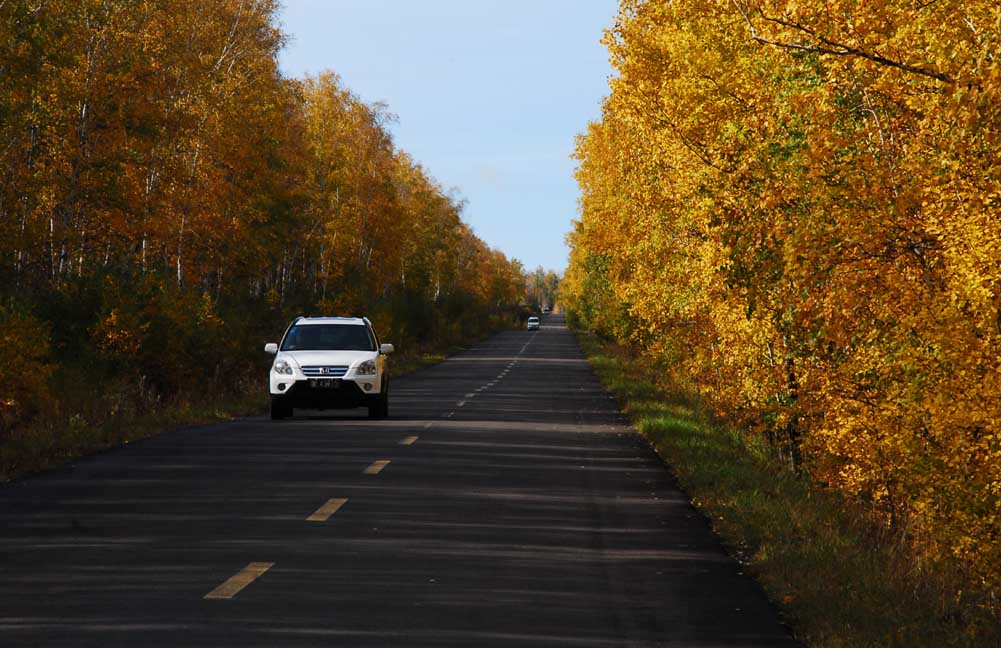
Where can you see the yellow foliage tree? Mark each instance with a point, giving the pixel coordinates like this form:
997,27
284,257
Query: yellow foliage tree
801,207
161,180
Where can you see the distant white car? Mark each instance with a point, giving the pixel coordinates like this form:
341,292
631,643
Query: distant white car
533,323
329,363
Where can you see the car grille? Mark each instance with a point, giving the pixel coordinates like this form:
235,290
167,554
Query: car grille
335,371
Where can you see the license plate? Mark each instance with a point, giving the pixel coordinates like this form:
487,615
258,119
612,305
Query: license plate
325,383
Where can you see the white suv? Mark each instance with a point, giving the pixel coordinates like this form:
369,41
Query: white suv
329,363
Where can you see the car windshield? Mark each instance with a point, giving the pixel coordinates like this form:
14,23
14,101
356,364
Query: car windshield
328,337
534,320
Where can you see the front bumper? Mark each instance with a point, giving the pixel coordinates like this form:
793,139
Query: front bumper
282,384
342,394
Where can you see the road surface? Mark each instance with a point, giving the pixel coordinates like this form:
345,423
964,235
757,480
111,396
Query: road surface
505,503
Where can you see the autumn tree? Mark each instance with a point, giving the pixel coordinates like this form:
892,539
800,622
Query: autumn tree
168,200
542,288
799,206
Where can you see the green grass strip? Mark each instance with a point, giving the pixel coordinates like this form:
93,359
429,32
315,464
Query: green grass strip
838,578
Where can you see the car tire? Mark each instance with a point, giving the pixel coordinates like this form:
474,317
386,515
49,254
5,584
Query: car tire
378,407
279,409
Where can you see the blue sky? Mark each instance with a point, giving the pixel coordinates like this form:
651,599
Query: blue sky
489,96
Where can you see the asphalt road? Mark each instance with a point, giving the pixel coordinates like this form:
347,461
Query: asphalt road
515,507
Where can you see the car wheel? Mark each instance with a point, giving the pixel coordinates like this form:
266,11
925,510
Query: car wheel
378,407
384,402
279,410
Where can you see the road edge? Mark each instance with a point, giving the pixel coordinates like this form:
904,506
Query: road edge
834,577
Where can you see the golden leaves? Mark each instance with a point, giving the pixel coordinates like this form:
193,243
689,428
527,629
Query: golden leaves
156,160
808,222
25,369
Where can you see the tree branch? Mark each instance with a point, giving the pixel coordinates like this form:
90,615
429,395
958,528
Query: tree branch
831,47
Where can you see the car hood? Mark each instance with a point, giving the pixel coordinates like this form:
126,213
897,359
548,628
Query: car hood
328,358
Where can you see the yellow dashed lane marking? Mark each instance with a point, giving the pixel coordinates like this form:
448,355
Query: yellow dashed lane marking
410,440
323,513
376,467
241,579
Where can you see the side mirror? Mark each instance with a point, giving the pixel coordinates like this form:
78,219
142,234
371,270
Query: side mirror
271,348
386,349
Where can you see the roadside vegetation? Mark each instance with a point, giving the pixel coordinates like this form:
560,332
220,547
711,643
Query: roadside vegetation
169,201
840,577
794,212
542,288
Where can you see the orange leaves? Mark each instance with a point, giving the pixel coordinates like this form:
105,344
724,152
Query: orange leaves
157,162
380,223
25,369
799,206
119,335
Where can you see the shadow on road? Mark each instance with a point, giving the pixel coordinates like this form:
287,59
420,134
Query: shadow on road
515,508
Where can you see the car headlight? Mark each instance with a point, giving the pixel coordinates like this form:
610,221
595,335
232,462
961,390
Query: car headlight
283,367
366,368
